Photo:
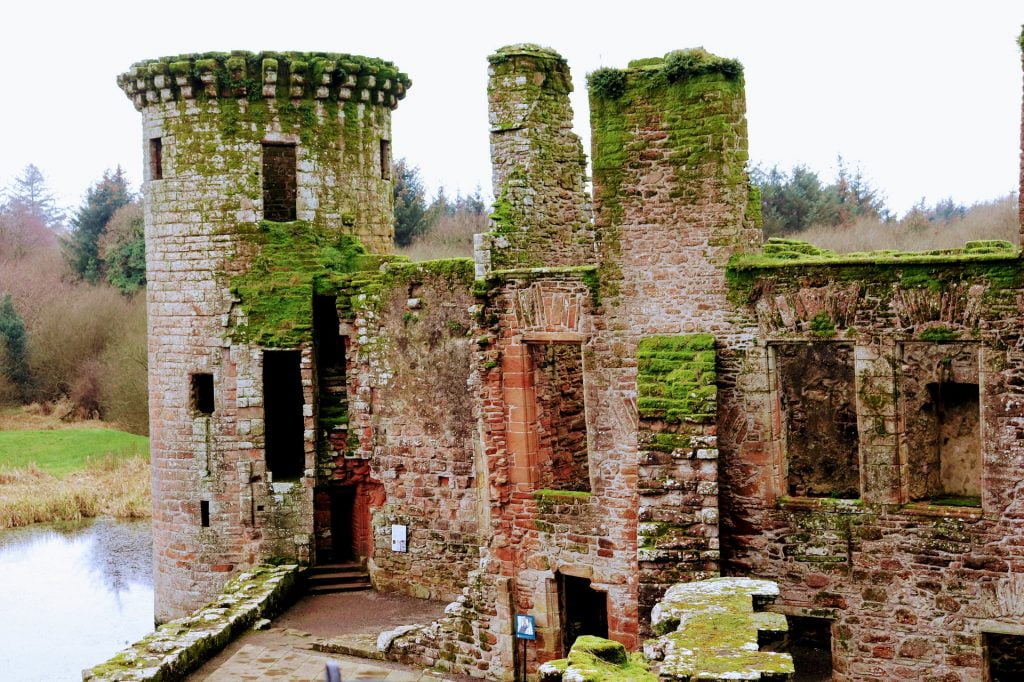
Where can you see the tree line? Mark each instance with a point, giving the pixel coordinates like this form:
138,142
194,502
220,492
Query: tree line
72,327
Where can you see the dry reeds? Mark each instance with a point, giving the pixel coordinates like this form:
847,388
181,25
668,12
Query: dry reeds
114,486
990,220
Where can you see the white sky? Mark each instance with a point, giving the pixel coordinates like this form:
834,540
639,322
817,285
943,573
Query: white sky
924,96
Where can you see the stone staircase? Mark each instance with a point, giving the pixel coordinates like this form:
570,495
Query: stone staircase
340,577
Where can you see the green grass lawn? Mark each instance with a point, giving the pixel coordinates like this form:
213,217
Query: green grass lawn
62,451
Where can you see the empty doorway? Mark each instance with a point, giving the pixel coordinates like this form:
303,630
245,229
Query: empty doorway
584,610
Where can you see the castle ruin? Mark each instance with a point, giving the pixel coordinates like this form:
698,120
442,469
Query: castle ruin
616,395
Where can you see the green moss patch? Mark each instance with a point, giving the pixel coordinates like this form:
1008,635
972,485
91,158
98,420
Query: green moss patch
676,379
595,659
710,631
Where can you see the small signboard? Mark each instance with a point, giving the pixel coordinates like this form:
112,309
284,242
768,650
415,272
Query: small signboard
526,628
398,539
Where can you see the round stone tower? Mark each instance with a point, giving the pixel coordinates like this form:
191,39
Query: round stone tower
252,160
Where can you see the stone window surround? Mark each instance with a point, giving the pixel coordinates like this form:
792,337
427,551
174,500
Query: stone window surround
868,492
520,401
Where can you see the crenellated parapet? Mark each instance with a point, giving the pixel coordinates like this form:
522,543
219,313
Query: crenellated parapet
265,75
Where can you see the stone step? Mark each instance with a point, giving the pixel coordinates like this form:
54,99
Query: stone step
337,578
334,589
335,567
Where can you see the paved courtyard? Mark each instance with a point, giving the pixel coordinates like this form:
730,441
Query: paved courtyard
284,652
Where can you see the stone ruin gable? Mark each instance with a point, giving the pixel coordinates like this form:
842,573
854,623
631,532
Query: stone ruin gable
673,204
411,350
205,121
910,578
542,211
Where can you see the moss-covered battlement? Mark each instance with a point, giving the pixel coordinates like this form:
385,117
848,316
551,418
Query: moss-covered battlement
503,54
290,263
653,72
996,263
265,75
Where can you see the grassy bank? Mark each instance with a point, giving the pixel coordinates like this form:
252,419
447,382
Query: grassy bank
55,473
60,452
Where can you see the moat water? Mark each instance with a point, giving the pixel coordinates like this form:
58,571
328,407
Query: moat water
72,595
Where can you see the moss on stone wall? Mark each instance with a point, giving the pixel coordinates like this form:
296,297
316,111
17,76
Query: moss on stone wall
541,211
676,378
996,263
292,262
697,99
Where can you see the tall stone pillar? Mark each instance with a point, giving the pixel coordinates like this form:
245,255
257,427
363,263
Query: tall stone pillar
542,211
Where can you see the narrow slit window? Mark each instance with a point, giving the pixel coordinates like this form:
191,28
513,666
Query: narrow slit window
280,185
1004,657
204,513
202,394
156,159
385,159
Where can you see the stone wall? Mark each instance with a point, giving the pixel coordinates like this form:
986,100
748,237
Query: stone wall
412,350
541,212
206,248
677,535
180,646
910,586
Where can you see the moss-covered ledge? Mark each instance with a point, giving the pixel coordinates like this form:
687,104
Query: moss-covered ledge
712,629
997,263
180,646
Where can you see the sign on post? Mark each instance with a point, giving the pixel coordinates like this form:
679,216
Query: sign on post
526,627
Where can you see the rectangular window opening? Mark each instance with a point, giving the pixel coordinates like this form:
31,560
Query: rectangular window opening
942,423
583,610
204,513
385,159
156,159
280,184
819,408
202,394
810,645
1004,657
282,412
561,461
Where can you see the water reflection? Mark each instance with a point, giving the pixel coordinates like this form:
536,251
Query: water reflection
71,595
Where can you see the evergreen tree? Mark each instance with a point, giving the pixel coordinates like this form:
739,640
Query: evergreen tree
792,202
14,340
123,248
101,201
29,196
410,204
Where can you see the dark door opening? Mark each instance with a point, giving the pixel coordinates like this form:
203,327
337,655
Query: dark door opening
584,610
282,413
810,645
343,502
